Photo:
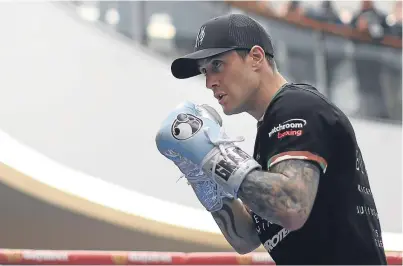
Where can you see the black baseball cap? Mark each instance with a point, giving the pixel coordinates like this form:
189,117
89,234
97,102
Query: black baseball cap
220,35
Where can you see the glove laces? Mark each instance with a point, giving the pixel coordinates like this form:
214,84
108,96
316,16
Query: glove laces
193,172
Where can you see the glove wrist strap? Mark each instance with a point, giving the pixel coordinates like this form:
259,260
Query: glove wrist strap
229,169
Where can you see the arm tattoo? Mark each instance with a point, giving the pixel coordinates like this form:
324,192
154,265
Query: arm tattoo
237,226
225,219
288,190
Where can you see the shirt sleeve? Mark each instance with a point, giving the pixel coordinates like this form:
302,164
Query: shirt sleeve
300,129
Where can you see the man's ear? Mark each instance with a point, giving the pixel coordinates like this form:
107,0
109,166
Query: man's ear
258,56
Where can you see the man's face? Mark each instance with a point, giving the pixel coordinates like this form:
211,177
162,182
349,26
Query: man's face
232,80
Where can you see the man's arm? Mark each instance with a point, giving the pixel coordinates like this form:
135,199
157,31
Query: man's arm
236,224
285,195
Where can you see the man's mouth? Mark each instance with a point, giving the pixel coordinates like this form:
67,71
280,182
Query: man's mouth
221,98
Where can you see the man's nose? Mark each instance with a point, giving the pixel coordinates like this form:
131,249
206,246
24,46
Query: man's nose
212,81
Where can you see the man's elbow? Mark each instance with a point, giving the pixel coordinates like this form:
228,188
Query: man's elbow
242,251
247,245
245,249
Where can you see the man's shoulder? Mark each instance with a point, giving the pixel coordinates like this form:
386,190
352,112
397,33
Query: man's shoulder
300,96
302,101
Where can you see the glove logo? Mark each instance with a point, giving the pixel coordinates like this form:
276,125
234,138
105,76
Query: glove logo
185,126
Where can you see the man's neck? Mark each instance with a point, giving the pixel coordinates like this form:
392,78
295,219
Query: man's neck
265,94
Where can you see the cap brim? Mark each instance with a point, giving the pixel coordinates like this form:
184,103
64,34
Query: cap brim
186,67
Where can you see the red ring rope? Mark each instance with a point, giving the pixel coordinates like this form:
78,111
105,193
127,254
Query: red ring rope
84,257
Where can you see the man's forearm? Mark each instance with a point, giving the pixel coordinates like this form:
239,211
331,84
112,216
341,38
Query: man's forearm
283,196
237,226
263,193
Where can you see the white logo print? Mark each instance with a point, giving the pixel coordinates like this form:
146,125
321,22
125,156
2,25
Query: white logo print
294,123
200,36
271,243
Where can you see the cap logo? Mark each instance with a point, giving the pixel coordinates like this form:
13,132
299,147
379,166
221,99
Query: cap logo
200,36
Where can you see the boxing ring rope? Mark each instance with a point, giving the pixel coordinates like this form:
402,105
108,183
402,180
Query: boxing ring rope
88,257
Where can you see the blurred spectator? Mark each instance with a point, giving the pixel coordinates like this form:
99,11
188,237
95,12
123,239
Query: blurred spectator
325,13
368,69
266,6
291,8
394,20
369,19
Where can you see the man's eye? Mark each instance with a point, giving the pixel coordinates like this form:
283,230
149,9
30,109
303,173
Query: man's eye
216,66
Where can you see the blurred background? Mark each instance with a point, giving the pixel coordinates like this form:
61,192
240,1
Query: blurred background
86,84
351,50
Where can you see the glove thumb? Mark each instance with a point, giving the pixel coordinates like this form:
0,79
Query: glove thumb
210,113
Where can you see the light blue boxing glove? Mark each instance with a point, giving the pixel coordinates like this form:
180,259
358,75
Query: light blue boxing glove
209,193
195,133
